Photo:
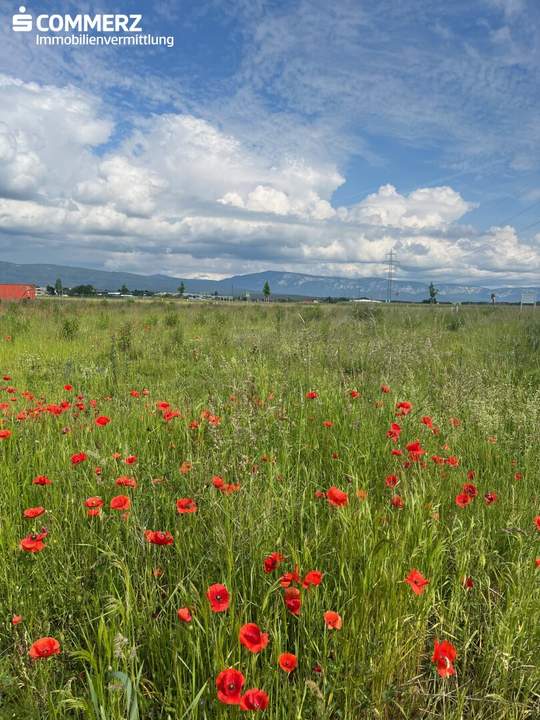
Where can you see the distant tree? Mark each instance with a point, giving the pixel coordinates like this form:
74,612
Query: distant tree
124,290
266,290
51,290
82,291
493,298
433,292
58,287
181,289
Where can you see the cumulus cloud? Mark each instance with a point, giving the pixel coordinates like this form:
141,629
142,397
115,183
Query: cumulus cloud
178,194
46,136
435,207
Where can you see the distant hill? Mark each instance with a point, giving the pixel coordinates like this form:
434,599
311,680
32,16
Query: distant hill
281,283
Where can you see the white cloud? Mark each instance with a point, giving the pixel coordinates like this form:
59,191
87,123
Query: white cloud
180,195
46,136
423,208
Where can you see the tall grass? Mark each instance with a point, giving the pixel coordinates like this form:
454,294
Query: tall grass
111,599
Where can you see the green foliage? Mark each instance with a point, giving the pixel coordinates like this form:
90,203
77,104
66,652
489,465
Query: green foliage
111,599
455,321
70,328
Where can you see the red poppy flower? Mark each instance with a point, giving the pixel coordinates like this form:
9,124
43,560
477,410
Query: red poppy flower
415,450
537,522
252,638
312,395
33,512
397,502
186,505
184,615
293,600
385,389
416,581
158,537
289,577
490,498
125,481
78,458
468,582
44,648
354,394
463,499
313,577
455,422
470,489
16,619
218,482
33,543
453,461
228,488
185,467
218,596
537,562
403,408
332,620
120,502
336,497
272,561
391,481
130,459
254,699
103,420
5,434
427,421
518,476
288,662
93,502
444,655
229,685
41,480
328,423
134,393
394,432
68,387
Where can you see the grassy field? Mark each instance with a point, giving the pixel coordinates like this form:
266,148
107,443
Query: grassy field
238,376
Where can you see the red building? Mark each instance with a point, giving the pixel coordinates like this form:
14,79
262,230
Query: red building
17,292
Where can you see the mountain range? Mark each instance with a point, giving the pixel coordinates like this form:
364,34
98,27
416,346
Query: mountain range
281,284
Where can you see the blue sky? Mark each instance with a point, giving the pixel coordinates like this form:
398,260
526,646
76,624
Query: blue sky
305,136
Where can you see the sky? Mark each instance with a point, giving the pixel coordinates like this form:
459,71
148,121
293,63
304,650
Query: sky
300,135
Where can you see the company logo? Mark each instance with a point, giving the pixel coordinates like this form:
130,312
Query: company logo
117,30
22,21
118,23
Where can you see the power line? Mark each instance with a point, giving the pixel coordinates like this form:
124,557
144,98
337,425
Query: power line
520,212
527,227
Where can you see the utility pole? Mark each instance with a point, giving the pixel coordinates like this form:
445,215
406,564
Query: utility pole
391,259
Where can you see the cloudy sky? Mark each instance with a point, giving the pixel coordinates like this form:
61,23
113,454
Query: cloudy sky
305,135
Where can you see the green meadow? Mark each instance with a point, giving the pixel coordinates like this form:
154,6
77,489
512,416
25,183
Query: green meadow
199,391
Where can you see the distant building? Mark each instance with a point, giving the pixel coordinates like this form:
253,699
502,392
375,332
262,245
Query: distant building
17,292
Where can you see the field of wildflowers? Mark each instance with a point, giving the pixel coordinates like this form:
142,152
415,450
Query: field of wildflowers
304,512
